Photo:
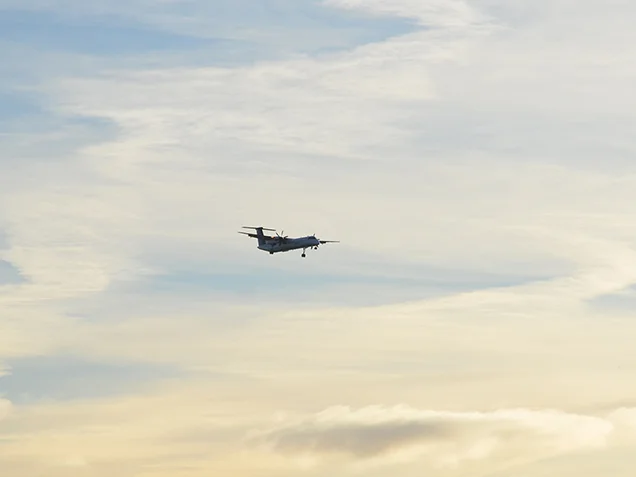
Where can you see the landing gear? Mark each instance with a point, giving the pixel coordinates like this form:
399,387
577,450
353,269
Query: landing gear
303,255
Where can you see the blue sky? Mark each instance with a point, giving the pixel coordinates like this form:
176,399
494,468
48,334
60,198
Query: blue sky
8,273
475,160
96,35
55,378
217,32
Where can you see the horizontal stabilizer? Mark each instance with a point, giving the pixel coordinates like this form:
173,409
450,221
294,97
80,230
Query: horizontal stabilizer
264,228
263,236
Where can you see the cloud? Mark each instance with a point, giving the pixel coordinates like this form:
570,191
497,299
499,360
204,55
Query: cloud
444,438
179,426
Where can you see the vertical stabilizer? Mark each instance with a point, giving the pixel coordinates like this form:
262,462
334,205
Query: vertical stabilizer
260,236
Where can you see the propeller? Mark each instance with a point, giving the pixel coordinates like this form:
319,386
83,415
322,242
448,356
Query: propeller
281,238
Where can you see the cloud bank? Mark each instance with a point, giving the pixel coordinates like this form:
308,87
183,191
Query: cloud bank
447,439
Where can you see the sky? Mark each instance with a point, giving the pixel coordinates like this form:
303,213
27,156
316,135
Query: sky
475,159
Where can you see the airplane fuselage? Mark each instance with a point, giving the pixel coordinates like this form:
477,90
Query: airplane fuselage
276,245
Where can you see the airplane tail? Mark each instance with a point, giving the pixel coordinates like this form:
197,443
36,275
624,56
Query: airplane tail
260,236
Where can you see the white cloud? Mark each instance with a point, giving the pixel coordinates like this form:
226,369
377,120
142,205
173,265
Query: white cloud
445,439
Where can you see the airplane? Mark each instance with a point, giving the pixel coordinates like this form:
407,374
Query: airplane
277,243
